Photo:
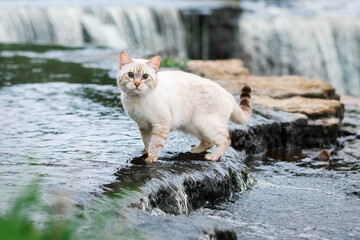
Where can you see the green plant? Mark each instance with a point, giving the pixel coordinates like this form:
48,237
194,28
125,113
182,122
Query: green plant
170,63
98,220
16,224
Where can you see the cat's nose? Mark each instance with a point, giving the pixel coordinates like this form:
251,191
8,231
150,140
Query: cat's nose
137,84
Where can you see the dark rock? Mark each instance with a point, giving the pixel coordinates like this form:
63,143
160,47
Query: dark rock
321,133
182,183
205,29
269,130
356,194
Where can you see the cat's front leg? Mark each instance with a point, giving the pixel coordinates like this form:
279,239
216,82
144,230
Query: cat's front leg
146,136
159,135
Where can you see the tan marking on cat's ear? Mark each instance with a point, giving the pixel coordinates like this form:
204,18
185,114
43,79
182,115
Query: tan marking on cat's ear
154,62
124,59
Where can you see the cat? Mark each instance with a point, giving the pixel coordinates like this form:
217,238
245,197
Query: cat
174,100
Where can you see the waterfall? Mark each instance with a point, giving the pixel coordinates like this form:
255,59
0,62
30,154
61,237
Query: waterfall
322,47
143,28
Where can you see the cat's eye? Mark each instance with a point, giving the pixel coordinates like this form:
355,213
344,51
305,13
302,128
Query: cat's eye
145,76
130,75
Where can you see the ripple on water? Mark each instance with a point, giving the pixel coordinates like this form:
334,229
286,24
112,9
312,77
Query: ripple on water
58,130
298,196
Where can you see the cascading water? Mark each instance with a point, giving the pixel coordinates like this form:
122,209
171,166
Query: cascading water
318,39
326,48
142,28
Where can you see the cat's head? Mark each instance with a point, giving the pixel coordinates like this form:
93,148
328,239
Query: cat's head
137,76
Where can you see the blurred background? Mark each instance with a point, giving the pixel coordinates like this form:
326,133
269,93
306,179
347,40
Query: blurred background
314,38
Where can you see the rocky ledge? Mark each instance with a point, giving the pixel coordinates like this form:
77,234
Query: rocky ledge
289,111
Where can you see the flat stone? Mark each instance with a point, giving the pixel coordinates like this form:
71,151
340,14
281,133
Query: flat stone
312,107
217,69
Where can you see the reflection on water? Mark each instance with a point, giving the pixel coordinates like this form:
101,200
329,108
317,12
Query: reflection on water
19,69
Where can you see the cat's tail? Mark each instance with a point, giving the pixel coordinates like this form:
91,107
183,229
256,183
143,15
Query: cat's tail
241,114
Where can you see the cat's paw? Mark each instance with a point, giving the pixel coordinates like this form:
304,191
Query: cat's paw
150,159
211,157
197,149
144,152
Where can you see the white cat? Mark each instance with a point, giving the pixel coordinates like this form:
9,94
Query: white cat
169,100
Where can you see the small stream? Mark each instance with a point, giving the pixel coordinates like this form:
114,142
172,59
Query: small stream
62,123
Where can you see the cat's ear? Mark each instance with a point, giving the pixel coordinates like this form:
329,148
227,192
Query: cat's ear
154,62
124,59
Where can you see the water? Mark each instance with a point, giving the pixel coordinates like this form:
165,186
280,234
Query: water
149,29
318,39
62,122
325,48
60,130
298,197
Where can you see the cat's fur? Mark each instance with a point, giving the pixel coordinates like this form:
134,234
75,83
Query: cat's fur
172,100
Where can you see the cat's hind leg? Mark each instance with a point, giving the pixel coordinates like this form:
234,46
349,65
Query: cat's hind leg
222,142
201,147
212,129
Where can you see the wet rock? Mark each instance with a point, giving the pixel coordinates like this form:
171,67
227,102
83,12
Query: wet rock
321,133
182,183
269,130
